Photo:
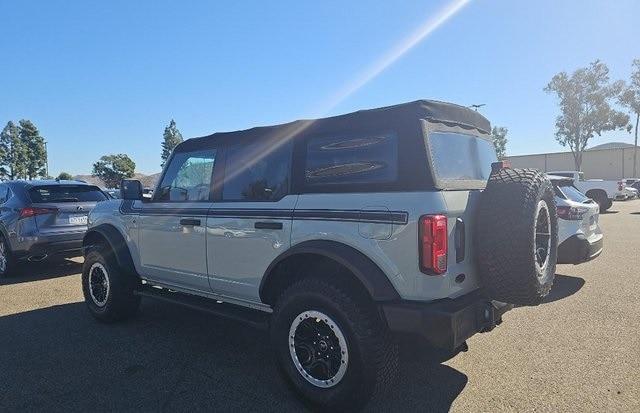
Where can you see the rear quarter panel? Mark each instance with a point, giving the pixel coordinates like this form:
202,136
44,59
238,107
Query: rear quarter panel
397,253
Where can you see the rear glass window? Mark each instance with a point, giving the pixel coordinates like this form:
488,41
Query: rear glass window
573,194
461,157
66,193
352,160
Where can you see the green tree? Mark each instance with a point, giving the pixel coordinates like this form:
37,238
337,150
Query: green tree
13,153
585,107
65,176
499,136
114,168
630,98
170,139
35,153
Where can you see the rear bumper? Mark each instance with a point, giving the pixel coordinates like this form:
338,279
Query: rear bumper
446,323
578,249
64,245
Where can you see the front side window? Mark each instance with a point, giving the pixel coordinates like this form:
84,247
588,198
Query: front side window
188,177
258,171
352,160
461,157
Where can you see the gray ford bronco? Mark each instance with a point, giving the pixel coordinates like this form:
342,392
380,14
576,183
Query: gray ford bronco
339,235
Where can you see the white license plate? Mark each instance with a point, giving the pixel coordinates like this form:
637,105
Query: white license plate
78,220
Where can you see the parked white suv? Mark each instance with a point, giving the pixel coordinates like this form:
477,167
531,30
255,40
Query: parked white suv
338,234
580,238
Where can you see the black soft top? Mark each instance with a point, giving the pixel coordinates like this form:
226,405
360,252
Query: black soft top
442,112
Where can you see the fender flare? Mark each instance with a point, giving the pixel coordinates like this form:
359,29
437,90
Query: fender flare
374,280
116,241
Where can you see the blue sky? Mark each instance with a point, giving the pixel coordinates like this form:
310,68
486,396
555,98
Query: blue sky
106,77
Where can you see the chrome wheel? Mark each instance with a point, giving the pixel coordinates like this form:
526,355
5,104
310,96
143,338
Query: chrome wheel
542,238
3,257
99,284
318,349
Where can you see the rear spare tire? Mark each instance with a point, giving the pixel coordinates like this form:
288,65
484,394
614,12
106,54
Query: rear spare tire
517,236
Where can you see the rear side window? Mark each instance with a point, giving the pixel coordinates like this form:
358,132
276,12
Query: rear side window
259,171
352,160
66,193
461,157
188,177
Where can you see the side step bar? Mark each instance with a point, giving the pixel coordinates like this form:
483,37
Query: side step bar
254,318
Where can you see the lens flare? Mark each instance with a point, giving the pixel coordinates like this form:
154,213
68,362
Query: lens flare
275,140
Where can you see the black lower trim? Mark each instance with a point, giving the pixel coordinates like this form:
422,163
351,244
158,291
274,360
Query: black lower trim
446,323
69,249
577,249
370,216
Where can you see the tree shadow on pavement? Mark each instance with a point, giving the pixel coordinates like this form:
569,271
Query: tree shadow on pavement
42,270
563,287
169,358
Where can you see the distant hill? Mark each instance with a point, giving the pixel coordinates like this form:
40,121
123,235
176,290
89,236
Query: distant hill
148,181
611,145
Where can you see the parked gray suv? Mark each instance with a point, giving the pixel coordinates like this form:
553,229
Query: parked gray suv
40,219
337,234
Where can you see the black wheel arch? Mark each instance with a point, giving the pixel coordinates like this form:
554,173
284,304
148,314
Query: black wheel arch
366,272
114,238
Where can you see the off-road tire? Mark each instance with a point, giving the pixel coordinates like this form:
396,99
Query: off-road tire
606,205
504,236
121,301
372,352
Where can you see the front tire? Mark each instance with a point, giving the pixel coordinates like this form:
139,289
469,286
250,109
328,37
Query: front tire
332,347
109,291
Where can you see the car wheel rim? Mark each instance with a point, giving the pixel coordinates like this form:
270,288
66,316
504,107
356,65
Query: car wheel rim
99,284
318,349
542,238
3,257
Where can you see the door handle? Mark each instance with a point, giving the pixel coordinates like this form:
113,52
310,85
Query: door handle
191,222
268,225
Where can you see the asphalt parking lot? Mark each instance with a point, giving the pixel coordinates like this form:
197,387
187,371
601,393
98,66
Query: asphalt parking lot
579,351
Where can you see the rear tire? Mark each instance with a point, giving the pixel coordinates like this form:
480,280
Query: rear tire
347,378
8,264
109,291
517,236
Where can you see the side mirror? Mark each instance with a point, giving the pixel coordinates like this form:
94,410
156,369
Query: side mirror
131,189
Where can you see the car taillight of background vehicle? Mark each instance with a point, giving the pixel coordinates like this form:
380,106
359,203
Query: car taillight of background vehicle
33,211
433,244
620,186
570,213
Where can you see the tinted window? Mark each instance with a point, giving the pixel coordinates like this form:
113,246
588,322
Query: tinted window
66,193
457,156
257,172
573,194
568,175
350,160
188,177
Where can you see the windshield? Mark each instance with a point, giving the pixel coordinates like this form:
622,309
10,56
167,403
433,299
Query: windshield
66,193
461,157
573,194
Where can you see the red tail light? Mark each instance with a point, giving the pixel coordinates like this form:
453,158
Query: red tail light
33,211
433,244
570,213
